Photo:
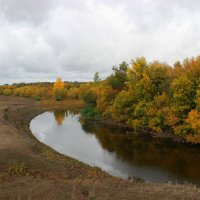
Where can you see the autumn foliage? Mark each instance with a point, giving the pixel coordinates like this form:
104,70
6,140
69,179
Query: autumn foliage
59,90
154,95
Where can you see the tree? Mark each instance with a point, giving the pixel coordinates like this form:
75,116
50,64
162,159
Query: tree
142,88
138,68
106,97
192,68
89,98
118,78
122,109
194,120
96,77
183,95
197,100
158,76
59,90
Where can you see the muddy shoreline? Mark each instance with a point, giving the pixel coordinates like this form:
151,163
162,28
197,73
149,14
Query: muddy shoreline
32,170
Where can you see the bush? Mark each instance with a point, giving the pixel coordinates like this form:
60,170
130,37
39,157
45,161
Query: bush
90,98
90,113
37,98
7,92
59,98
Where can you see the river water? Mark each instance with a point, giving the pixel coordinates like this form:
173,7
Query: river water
116,151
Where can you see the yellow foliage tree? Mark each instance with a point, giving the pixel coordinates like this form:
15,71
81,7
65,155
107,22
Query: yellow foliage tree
59,90
194,120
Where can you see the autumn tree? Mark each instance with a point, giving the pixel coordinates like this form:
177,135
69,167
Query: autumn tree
59,90
157,73
139,66
194,120
183,95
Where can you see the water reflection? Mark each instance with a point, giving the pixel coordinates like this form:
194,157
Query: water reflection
179,159
60,115
117,152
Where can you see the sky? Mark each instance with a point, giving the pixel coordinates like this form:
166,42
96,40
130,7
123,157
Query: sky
43,39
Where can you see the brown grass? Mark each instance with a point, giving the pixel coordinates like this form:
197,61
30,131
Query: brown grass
52,103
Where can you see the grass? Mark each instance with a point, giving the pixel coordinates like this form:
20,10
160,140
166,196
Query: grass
17,169
67,103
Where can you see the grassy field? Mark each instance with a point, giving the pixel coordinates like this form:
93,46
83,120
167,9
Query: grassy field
32,170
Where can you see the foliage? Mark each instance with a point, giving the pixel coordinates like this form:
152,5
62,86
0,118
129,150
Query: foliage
59,90
152,95
38,98
183,95
43,90
96,77
194,121
118,78
90,112
90,98
122,109
28,90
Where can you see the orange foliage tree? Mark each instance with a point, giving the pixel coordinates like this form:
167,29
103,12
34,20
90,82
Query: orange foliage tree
59,90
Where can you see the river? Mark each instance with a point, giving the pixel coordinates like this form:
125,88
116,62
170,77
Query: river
116,151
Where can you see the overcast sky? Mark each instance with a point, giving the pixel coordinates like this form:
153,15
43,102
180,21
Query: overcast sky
43,39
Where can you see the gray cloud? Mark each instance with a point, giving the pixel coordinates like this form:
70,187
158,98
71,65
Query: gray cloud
31,11
40,40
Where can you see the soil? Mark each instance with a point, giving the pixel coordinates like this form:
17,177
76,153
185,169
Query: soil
32,170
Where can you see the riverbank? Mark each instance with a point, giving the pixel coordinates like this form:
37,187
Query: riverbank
162,135
30,169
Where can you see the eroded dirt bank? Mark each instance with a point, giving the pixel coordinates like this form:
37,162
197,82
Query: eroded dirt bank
31,170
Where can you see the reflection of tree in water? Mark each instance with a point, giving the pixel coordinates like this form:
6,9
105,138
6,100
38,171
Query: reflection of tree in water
60,115
87,125
140,150
73,112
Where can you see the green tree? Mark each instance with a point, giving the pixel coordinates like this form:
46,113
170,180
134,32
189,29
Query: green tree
118,78
89,98
96,77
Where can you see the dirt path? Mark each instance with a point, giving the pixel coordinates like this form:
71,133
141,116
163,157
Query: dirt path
31,170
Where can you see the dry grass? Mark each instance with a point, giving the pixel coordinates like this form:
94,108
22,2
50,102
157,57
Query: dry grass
68,103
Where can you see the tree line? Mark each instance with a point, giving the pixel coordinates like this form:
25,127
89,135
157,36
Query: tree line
153,95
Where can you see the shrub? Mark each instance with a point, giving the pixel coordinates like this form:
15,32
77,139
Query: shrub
59,98
90,98
90,113
38,98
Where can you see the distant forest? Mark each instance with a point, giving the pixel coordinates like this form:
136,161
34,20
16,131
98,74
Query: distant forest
163,98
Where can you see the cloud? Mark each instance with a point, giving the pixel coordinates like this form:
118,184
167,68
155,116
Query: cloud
31,11
40,40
